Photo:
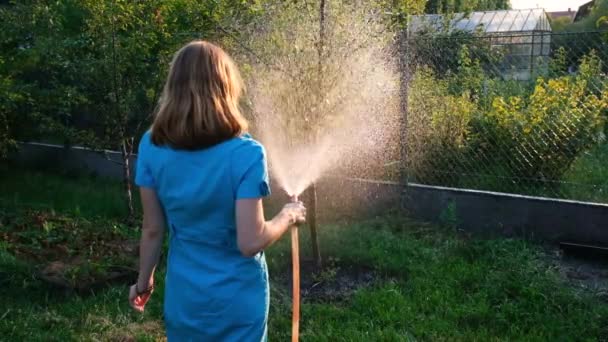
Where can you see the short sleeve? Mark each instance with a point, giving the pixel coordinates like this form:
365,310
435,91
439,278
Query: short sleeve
251,171
143,173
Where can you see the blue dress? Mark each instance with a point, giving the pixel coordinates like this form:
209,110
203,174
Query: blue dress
212,292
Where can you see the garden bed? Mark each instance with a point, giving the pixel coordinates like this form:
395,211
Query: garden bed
335,282
69,252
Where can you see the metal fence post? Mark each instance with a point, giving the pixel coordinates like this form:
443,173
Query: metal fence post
404,84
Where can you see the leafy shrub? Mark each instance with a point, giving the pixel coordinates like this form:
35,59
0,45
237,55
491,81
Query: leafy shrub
472,130
539,137
8,99
438,129
443,51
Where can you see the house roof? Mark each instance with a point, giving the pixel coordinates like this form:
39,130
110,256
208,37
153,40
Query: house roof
485,22
584,10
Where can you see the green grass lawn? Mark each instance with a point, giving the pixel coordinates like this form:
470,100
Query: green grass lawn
62,191
433,285
587,179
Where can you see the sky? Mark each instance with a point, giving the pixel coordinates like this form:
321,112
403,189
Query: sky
549,5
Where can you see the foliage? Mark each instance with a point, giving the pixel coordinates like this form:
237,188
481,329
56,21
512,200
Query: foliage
590,22
91,71
443,51
589,38
560,24
567,110
530,133
7,102
588,177
438,128
399,10
456,6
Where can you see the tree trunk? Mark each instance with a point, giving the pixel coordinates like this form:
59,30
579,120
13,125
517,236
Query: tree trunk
405,80
126,152
312,224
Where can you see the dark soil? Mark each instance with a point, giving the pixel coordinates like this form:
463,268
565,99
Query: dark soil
333,283
582,273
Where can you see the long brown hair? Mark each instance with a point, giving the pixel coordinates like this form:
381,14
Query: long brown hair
199,106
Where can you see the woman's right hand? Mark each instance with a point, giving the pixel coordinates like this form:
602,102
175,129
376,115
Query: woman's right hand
137,299
295,211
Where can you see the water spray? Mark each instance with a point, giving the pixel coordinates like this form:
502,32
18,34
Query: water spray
338,111
295,264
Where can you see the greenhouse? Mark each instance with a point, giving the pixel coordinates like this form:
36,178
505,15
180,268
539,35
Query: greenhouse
523,36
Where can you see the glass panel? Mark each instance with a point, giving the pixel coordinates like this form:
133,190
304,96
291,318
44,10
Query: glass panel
544,24
485,20
494,23
518,21
460,22
532,19
424,22
474,20
505,26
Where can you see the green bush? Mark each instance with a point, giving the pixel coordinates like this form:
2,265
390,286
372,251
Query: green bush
438,129
472,130
443,52
540,136
8,99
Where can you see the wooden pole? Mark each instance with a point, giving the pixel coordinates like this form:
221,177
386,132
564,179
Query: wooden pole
295,265
312,223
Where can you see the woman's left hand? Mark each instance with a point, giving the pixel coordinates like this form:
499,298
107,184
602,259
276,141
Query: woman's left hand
138,300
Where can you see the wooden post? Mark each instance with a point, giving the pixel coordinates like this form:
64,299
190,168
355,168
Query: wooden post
312,222
295,261
295,270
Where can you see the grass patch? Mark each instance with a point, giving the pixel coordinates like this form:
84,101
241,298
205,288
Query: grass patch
441,287
447,288
435,286
587,179
62,191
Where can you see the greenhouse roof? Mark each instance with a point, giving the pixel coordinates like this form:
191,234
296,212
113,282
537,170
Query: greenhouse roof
484,22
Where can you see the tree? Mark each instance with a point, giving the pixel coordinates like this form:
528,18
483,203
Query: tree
89,72
7,99
456,6
582,37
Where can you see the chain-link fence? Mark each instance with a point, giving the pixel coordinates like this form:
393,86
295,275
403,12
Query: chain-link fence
521,113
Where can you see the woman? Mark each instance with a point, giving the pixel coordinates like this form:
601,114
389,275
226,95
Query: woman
204,179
